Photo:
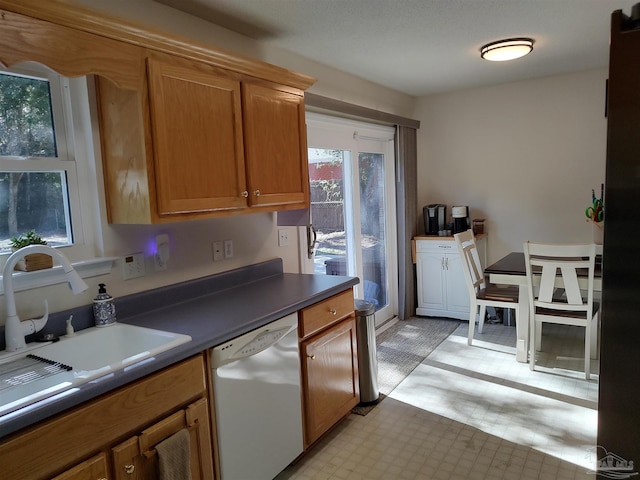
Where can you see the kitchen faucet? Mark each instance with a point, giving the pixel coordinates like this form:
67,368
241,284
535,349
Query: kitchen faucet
14,329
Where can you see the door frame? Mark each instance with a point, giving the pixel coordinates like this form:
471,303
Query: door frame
354,136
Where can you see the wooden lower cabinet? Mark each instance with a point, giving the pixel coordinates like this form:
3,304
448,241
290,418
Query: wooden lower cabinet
115,436
329,364
137,457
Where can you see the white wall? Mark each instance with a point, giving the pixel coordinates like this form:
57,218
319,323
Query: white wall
330,82
254,236
523,155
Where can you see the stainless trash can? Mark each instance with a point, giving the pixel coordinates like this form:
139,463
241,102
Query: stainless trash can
367,356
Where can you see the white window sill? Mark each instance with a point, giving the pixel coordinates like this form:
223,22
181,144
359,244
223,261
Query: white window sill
51,276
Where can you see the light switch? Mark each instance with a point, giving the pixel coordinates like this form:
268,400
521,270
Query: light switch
228,248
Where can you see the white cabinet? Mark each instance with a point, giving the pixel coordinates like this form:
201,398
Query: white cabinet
442,291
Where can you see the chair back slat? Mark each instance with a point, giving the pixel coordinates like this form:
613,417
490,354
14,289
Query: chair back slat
473,272
571,285
567,259
547,283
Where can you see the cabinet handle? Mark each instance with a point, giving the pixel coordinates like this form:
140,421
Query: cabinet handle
333,311
129,469
446,262
257,193
311,357
245,194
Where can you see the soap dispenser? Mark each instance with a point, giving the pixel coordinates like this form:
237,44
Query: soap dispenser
104,308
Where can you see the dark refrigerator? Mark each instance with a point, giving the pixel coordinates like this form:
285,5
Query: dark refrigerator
619,384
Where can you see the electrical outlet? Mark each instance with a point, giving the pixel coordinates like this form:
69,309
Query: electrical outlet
283,237
162,252
160,266
217,251
132,266
228,248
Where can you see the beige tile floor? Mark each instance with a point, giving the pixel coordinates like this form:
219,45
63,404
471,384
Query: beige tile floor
472,413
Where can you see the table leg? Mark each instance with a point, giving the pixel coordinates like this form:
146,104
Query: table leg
522,325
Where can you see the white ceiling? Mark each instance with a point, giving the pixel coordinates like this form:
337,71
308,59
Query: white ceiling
421,47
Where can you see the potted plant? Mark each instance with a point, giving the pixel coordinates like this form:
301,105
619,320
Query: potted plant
33,261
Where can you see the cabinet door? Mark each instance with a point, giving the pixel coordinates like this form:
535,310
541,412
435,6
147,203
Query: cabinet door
197,139
127,461
456,285
330,375
137,457
93,469
275,147
431,281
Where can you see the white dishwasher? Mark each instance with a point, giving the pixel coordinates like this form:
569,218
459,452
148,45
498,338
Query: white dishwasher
258,410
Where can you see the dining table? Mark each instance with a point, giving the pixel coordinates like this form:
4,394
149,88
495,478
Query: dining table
511,270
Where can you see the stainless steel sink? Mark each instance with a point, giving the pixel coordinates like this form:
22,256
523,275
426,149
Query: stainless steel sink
90,354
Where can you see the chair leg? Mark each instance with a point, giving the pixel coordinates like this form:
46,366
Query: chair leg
587,351
538,326
481,317
472,322
594,337
532,342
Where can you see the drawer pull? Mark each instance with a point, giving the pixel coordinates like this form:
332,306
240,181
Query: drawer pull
257,193
311,357
245,194
333,311
129,469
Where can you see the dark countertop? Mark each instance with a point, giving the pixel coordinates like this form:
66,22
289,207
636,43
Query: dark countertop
212,311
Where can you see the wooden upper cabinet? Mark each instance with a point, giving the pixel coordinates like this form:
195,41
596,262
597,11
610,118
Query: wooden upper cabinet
187,131
276,147
196,123
208,142
68,51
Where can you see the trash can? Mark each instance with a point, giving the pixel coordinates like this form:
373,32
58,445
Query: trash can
367,356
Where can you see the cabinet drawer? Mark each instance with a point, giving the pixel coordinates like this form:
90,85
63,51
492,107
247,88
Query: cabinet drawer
444,246
95,467
322,314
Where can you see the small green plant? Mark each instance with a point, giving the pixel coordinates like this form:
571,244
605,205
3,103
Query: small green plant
29,238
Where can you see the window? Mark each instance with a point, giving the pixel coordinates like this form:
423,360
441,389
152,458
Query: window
38,179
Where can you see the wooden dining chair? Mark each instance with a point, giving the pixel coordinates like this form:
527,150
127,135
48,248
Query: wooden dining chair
553,266
481,293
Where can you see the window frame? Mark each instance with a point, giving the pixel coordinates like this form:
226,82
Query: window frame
63,115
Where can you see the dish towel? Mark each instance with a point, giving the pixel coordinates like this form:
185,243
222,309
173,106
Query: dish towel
174,457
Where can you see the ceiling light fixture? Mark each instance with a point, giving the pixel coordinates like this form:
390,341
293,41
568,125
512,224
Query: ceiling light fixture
508,49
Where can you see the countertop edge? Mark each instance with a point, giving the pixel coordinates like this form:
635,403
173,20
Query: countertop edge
209,319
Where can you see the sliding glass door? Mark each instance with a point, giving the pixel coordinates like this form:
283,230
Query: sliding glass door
351,172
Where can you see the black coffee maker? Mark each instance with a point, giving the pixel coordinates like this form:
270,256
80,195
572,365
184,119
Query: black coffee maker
435,217
461,222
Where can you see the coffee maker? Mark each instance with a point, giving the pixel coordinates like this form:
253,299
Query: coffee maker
461,222
435,218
